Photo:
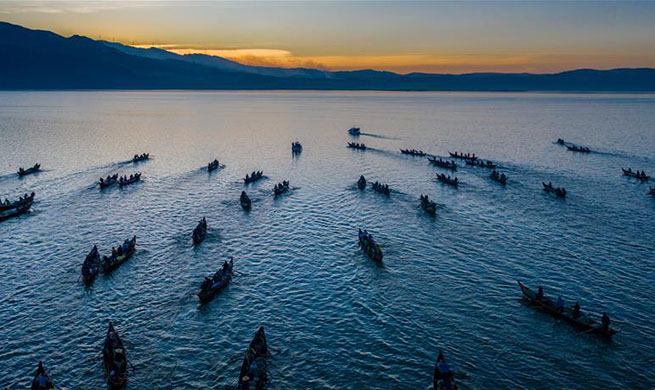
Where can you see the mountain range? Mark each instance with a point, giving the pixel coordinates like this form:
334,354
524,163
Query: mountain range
43,60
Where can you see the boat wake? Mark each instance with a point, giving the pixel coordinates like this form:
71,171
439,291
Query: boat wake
380,136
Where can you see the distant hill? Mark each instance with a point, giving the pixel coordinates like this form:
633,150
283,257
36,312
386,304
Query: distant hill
34,59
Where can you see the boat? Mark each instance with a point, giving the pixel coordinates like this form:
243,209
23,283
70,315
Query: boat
22,172
448,180
444,378
22,201
463,156
41,379
245,201
413,152
296,147
108,181
119,256
126,181
361,183
354,131
481,164
212,286
560,192
114,359
381,188
582,321
281,188
253,177
560,141
356,145
254,369
140,157
200,232
428,206
11,213
369,246
581,149
212,166
441,163
500,178
637,175
91,266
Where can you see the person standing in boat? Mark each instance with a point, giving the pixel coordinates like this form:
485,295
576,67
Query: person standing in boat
540,294
606,322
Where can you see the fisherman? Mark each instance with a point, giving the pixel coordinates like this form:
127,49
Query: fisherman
576,310
559,306
606,322
226,266
540,294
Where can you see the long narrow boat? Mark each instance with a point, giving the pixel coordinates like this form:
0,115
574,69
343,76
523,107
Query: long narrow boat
369,246
428,206
559,192
17,204
281,188
413,152
22,172
212,166
448,180
381,188
498,177
15,212
581,321
444,378
637,175
108,181
221,279
463,156
200,232
355,145
254,177
140,157
361,183
111,263
296,147
245,201
91,266
41,379
254,369
441,163
580,149
122,182
481,164
114,360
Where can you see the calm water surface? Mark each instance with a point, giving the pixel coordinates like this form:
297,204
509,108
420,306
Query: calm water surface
334,319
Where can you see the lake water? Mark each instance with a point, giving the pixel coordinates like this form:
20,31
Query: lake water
334,319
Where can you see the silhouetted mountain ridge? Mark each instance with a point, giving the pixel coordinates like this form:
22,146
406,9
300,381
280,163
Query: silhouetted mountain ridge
34,59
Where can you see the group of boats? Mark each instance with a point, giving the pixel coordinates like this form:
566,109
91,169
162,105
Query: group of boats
22,171
252,375
560,192
13,209
413,152
92,264
296,147
356,145
369,246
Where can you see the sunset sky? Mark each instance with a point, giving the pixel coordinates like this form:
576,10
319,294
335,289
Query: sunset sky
452,37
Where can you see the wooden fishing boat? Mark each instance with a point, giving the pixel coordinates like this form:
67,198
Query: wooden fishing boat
114,360
637,175
448,180
370,247
27,200
200,232
212,286
428,206
254,177
443,378
11,213
296,148
463,156
354,131
126,182
108,181
481,164
361,183
559,192
355,145
41,379
91,266
22,172
443,163
141,157
381,188
413,152
254,369
582,321
245,201
281,188
212,166
497,177
111,263
580,149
